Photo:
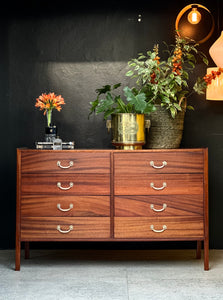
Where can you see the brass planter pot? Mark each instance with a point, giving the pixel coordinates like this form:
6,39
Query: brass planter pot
128,130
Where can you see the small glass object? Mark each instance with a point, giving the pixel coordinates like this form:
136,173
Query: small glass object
57,144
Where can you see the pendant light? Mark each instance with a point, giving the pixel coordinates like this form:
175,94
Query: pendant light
195,21
194,15
216,51
214,90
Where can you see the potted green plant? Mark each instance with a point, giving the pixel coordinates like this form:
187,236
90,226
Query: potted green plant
165,83
127,116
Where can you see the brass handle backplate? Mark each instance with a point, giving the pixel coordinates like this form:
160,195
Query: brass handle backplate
158,210
65,209
64,231
65,188
158,188
71,163
152,164
158,231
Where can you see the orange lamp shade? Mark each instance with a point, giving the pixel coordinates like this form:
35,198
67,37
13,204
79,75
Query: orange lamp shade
216,51
214,90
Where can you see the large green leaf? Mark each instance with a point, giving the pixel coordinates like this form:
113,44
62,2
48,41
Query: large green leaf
178,107
105,104
173,111
149,108
129,73
104,89
94,105
137,100
117,85
121,105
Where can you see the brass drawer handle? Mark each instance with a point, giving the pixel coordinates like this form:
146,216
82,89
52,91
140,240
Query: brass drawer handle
71,163
64,231
65,209
65,188
158,188
158,231
158,210
164,163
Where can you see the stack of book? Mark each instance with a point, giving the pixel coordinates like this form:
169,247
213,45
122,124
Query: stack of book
49,145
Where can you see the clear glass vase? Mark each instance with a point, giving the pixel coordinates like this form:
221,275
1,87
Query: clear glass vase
49,117
50,130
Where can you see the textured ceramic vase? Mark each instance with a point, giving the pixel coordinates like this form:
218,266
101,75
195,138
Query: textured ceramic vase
165,132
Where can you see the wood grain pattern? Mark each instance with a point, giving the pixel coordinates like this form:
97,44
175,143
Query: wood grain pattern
46,228
177,205
83,206
83,184
178,227
206,214
111,196
177,162
18,212
40,161
177,184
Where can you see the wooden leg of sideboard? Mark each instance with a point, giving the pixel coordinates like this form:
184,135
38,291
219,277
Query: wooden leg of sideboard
26,250
17,255
206,255
198,252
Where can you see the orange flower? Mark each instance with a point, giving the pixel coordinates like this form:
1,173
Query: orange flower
153,77
177,61
49,101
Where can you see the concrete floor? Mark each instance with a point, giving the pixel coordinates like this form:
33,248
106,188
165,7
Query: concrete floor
111,274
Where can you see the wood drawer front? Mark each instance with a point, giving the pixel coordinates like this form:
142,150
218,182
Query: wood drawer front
159,206
176,228
73,206
83,184
74,162
176,184
44,228
177,162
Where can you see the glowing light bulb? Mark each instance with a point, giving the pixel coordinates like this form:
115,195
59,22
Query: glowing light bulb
194,16
139,18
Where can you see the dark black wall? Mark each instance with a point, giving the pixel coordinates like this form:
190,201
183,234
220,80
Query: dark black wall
72,50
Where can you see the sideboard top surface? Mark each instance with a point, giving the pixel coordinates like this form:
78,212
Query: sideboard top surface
116,151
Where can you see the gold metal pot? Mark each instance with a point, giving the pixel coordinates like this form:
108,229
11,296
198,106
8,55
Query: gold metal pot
128,130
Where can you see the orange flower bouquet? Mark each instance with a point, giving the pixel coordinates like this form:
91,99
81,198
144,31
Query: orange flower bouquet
48,102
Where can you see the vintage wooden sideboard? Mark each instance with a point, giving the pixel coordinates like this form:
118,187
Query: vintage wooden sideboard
112,195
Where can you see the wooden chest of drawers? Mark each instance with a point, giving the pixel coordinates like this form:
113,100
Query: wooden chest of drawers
111,195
